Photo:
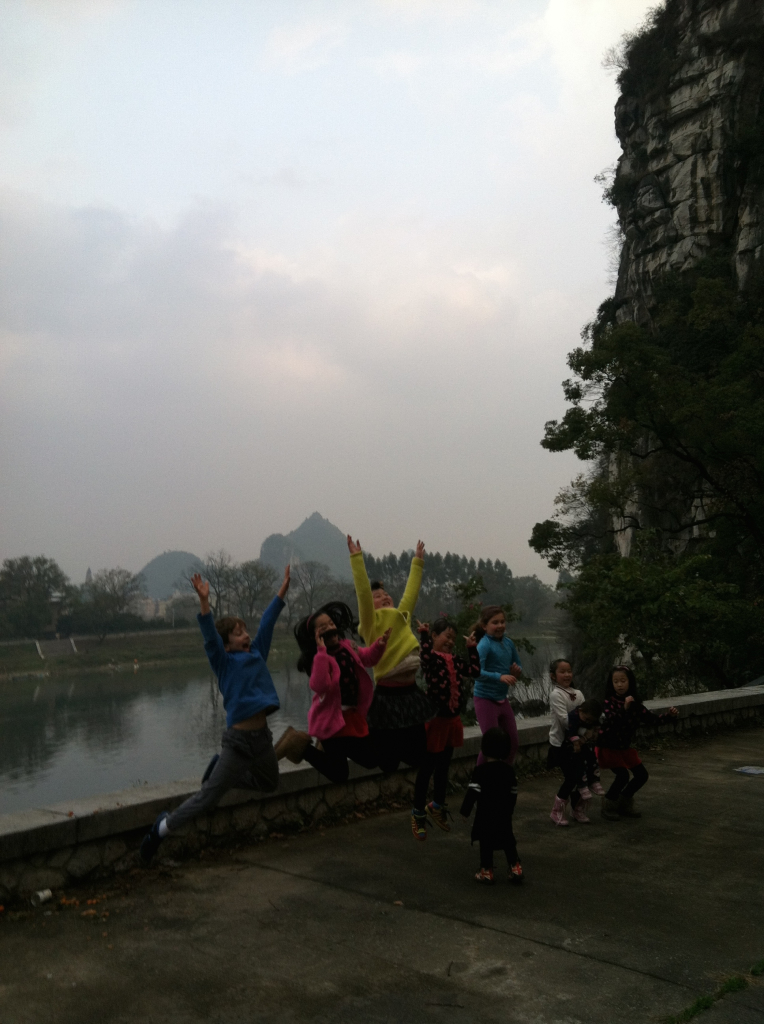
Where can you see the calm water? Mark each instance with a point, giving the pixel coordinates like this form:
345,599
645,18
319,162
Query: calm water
83,735
80,736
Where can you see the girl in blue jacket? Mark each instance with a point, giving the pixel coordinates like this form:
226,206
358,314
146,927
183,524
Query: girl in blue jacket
499,669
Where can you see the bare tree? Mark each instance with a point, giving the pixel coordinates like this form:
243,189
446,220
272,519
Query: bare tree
111,592
254,585
313,582
219,571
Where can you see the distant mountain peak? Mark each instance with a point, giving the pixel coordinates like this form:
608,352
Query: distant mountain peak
315,540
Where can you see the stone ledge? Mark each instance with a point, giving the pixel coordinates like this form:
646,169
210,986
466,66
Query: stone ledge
97,834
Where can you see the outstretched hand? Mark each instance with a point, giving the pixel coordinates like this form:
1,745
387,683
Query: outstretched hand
516,670
673,711
285,584
629,700
202,587
353,548
471,640
382,641
422,627
419,549
508,680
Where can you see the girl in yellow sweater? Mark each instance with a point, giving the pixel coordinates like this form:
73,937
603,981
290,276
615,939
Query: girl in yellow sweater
399,709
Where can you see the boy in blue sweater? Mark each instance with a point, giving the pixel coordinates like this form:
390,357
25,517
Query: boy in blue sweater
247,760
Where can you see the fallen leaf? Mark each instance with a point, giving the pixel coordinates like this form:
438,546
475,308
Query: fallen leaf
89,913
397,903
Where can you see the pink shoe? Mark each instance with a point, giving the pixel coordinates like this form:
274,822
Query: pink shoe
558,811
596,788
586,793
579,812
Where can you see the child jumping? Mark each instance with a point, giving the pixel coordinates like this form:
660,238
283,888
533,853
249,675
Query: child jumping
494,788
499,669
562,700
399,708
624,711
443,672
342,694
247,760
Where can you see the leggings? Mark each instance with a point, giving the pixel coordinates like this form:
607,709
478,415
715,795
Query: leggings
332,761
408,744
497,713
622,789
572,766
437,765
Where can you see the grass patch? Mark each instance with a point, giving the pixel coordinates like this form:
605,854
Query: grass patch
148,648
758,969
734,984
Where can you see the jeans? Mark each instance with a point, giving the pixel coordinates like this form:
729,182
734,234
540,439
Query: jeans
247,761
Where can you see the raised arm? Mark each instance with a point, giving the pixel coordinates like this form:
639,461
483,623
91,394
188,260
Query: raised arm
362,591
262,641
411,593
213,642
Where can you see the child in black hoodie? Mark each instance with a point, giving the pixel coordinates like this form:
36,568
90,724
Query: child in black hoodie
494,788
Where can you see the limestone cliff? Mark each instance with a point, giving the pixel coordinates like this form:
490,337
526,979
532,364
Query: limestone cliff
690,120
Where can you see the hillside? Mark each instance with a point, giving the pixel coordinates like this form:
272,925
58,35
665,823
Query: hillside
161,573
316,540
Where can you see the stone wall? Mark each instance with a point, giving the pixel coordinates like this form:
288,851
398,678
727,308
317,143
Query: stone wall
55,846
691,130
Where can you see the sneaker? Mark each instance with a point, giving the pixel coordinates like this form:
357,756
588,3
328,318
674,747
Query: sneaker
485,875
558,811
419,826
440,816
626,808
579,812
152,841
596,788
516,873
210,768
585,793
610,810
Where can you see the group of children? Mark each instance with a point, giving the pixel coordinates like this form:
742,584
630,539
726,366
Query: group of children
391,720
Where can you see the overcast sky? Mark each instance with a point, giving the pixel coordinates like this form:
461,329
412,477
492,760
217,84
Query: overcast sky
261,259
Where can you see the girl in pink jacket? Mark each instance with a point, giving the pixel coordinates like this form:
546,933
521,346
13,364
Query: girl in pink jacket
342,692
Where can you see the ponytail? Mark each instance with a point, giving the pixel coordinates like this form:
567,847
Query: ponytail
486,615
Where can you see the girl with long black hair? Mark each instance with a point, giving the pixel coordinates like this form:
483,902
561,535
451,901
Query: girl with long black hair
624,712
342,693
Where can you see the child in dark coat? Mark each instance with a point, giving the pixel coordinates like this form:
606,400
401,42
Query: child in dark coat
493,788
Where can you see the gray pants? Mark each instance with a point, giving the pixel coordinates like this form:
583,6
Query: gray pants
247,761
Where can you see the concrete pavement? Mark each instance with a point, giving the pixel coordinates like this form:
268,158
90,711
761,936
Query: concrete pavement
625,922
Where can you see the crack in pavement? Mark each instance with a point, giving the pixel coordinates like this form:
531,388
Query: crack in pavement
486,927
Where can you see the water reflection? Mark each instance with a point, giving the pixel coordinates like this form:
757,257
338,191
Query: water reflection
73,737
78,736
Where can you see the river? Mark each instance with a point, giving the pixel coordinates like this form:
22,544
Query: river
75,736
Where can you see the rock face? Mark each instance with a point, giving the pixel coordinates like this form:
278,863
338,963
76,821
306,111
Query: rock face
690,121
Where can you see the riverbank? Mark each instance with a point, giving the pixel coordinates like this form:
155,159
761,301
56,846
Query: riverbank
629,922
120,653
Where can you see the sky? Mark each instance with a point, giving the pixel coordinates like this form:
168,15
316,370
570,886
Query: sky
261,259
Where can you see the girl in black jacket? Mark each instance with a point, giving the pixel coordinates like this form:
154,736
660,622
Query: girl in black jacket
493,788
624,711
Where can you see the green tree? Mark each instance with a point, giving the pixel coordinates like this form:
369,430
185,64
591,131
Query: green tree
28,587
670,417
